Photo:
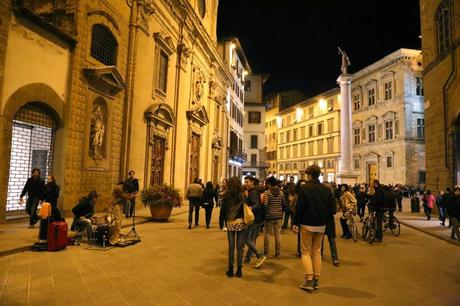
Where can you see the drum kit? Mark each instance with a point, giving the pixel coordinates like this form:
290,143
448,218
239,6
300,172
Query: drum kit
105,232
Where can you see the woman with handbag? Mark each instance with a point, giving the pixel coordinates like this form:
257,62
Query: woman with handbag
232,214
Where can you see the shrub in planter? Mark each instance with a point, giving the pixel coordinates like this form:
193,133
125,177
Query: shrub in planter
161,199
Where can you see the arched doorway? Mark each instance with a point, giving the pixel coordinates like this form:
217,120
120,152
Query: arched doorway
32,146
456,151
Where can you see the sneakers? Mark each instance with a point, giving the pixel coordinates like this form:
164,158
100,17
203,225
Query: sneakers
336,262
307,285
316,283
260,262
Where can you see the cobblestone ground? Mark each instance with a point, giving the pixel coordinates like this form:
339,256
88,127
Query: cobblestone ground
176,266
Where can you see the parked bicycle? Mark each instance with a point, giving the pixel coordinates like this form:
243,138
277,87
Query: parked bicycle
369,226
391,223
352,225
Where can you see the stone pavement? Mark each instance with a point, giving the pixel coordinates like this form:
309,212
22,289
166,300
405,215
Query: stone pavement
176,266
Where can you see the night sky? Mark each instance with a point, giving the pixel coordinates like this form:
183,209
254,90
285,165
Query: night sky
296,40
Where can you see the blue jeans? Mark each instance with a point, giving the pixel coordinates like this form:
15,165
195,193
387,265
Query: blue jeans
240,237
252,232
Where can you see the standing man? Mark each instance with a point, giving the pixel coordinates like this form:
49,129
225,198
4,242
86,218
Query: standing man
315,207
194,194
379,206
273,207
34,187
131,186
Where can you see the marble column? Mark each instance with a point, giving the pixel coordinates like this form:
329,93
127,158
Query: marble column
346,175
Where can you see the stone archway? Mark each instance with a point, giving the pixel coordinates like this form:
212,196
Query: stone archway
32,146
41,95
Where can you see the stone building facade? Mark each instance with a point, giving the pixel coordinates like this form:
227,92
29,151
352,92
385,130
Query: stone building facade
309,133
440,26
388,120
110,86
254,126
235,60
273,104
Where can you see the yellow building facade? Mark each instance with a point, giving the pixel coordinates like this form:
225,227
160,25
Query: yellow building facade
92,89
309,133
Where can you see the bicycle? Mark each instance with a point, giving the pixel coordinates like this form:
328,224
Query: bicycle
369,227
391,223
352,225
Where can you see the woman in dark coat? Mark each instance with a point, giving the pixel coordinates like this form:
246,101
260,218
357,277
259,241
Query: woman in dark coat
50,195
330,233
208,197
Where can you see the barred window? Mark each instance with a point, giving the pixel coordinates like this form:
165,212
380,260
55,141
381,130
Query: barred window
104,46
443,26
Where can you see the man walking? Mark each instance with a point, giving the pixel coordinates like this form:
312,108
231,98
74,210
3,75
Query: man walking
315,207
34,187
194,193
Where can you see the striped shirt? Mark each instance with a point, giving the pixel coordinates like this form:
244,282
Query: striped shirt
274,205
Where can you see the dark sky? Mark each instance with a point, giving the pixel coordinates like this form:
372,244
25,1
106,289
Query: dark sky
296,40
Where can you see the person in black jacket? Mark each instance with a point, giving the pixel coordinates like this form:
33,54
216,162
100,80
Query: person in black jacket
378,204
330,233
232,214
50,195
130,186
315,206
83,212
208,198
34,187
453,210
253,230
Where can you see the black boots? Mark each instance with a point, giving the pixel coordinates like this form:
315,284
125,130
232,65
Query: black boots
239,273
230,272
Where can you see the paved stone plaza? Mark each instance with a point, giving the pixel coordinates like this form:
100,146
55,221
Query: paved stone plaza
176,266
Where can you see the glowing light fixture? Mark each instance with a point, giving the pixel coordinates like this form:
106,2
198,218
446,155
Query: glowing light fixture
278,121
322,104
298,114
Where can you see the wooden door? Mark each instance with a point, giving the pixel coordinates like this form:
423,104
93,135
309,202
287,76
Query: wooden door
372,173
194,157
158,152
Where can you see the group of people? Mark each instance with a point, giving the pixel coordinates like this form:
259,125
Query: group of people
38,192
448,204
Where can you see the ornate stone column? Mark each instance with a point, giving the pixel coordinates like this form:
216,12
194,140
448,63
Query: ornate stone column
346,174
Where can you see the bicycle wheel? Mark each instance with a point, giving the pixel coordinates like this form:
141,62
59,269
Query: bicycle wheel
353,230
372,231
396,228
365,228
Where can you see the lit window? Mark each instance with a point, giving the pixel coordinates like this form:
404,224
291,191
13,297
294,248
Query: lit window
371,132
388,90
371,96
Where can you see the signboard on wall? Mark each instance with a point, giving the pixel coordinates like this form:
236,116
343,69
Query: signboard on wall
40,161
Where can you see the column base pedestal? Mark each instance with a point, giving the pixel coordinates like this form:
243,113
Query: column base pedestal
349,178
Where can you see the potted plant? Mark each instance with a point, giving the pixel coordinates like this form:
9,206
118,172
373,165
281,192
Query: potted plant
161,199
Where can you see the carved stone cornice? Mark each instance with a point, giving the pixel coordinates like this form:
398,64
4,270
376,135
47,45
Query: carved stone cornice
165,42
198,115
106,79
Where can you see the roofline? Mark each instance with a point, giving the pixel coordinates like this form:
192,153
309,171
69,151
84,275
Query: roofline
240,51
329,92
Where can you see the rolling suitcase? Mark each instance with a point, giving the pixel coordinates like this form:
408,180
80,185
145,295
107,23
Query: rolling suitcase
57,235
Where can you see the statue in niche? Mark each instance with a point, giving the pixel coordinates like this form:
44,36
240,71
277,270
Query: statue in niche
345,61
199,87
97,132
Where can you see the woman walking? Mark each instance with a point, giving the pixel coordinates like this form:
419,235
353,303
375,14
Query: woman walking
428,204
232,214
208,198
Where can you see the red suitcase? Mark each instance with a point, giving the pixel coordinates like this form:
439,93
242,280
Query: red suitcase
57,235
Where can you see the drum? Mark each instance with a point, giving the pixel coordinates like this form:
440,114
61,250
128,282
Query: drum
101,234
100,219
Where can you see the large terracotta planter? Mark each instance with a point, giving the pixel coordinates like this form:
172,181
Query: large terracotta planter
160,213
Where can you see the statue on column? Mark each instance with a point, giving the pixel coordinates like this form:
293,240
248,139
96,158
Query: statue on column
345,61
